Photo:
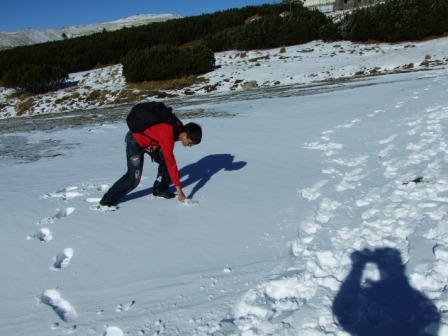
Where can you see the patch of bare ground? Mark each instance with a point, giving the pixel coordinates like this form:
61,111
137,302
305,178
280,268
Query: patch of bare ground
25,106
130,94
172,84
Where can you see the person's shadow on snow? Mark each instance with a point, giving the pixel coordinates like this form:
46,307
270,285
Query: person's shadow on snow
388,306
200,173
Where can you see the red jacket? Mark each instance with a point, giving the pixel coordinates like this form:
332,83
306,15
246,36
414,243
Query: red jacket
161,135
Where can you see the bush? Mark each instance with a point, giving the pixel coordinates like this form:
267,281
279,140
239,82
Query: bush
164,62
329,32
35,78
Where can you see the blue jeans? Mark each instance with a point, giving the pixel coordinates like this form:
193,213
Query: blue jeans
130,180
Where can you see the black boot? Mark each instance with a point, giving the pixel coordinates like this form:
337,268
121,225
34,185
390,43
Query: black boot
160,188
163,193
107,202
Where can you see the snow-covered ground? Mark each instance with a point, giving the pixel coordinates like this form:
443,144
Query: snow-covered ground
33,36
315,214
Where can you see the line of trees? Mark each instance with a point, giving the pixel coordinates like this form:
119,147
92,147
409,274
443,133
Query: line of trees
158,50
36,78
84,53
297,27
396,20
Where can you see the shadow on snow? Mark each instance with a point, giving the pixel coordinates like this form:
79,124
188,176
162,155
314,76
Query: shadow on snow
198,173
387,306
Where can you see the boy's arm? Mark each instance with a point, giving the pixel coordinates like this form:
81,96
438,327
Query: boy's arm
167,146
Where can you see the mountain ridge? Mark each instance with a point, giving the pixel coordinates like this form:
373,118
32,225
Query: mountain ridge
33,36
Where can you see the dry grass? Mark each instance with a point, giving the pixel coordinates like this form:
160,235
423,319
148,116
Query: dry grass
172,84
130,94
20,95
261,58
25,106
94,96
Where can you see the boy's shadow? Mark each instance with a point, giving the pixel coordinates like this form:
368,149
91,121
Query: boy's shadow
199,173
387,306
202,171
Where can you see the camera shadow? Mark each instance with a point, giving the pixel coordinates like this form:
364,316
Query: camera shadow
387,306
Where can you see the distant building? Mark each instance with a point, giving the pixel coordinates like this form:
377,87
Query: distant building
338,5
316,3
323,5
352,4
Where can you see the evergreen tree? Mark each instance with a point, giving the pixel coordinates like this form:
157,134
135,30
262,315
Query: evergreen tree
35,78
167,62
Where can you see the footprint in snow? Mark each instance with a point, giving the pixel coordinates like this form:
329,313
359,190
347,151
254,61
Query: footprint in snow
189,201
93,200
349,124
62,307
326,210
113,331
124,307
63,258
97,207
43,234
349,180
312,193
388,140
65,193
61,214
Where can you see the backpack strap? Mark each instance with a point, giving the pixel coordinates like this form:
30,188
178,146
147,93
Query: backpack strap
178,127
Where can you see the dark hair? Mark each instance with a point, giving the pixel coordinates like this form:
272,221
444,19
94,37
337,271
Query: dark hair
194,132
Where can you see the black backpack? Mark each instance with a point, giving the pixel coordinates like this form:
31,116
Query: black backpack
145,115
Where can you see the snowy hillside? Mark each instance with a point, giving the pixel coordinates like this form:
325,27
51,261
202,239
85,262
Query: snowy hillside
239,72
320,208
33,36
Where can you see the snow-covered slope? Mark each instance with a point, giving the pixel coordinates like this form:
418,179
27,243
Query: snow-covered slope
33,36
320,212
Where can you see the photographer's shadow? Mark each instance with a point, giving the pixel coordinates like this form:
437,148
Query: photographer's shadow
387,306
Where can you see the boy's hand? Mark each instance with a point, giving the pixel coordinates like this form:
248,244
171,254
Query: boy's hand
151,149
180,194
